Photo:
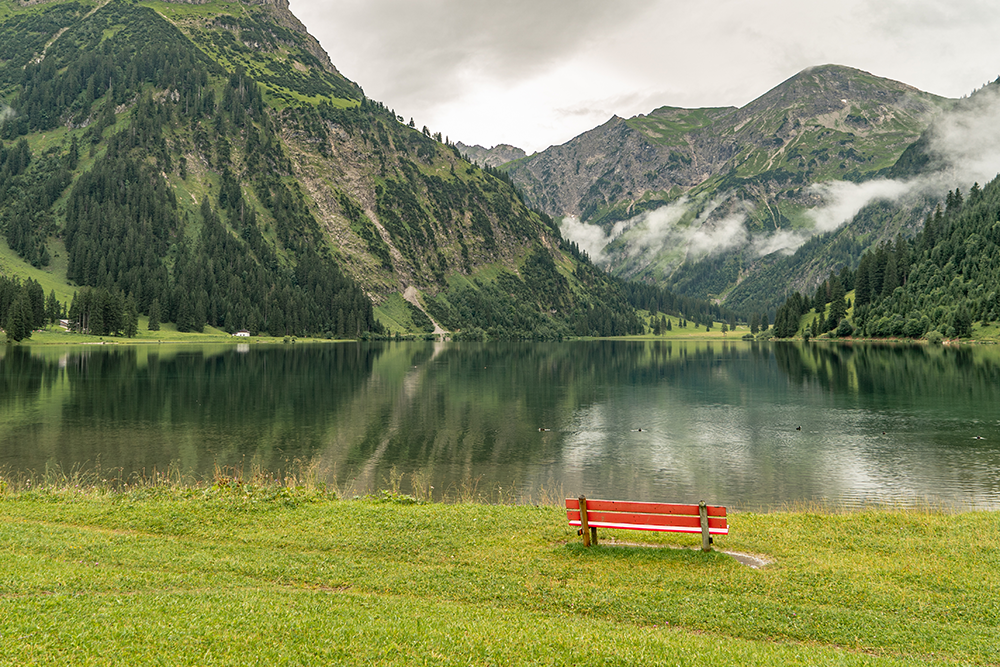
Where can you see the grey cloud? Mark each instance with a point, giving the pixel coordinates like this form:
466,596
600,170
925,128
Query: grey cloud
422,49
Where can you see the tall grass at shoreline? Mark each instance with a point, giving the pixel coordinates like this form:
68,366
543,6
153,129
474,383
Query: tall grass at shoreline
249,476
251,569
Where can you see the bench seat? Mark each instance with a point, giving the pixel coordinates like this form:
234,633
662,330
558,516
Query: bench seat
590,515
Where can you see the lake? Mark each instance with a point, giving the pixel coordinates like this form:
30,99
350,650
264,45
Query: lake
749,425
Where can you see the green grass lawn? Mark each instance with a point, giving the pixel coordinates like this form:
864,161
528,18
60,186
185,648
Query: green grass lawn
257,574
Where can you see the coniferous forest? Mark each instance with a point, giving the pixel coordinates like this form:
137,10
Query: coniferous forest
124,232
935,284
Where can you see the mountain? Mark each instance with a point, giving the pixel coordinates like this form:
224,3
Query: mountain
491,157
208,162
674,195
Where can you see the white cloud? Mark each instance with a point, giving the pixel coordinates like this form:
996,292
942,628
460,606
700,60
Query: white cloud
648,233
968,139
651,231
591,238
782,240
843,200
724,234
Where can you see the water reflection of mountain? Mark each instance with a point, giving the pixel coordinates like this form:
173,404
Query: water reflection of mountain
734,421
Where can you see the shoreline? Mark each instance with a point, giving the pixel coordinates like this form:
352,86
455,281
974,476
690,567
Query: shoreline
50,338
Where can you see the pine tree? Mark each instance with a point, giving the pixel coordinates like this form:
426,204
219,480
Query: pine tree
154,315
52,308
36,299
890,279
19,317
130,317
962,322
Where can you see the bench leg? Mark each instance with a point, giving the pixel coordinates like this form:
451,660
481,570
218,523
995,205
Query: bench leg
593,534
706,540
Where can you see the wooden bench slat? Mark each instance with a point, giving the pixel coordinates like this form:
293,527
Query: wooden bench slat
634,526
642,507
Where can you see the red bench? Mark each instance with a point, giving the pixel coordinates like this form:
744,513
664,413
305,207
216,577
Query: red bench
590,515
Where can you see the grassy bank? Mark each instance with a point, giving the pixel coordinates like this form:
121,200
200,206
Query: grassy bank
168,333
269,575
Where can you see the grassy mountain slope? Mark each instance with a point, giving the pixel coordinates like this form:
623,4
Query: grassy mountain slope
209,160
940,158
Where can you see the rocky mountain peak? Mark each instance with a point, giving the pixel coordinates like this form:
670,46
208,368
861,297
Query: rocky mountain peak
491,157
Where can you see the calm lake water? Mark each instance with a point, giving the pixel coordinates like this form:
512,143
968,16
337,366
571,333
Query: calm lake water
749,425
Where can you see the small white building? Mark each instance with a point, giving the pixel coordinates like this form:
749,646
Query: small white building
243,333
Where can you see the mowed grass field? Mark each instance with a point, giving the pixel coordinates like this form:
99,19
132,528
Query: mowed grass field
250,574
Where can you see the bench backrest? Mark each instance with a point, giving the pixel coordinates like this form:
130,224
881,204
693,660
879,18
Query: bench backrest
647,516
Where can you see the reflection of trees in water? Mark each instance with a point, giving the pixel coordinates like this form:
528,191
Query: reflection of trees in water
458,410
896,371
229,389
140,408
23,376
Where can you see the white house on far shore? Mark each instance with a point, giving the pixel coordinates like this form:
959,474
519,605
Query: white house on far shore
243,333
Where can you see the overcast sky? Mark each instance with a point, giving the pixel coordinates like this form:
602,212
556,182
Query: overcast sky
535,73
